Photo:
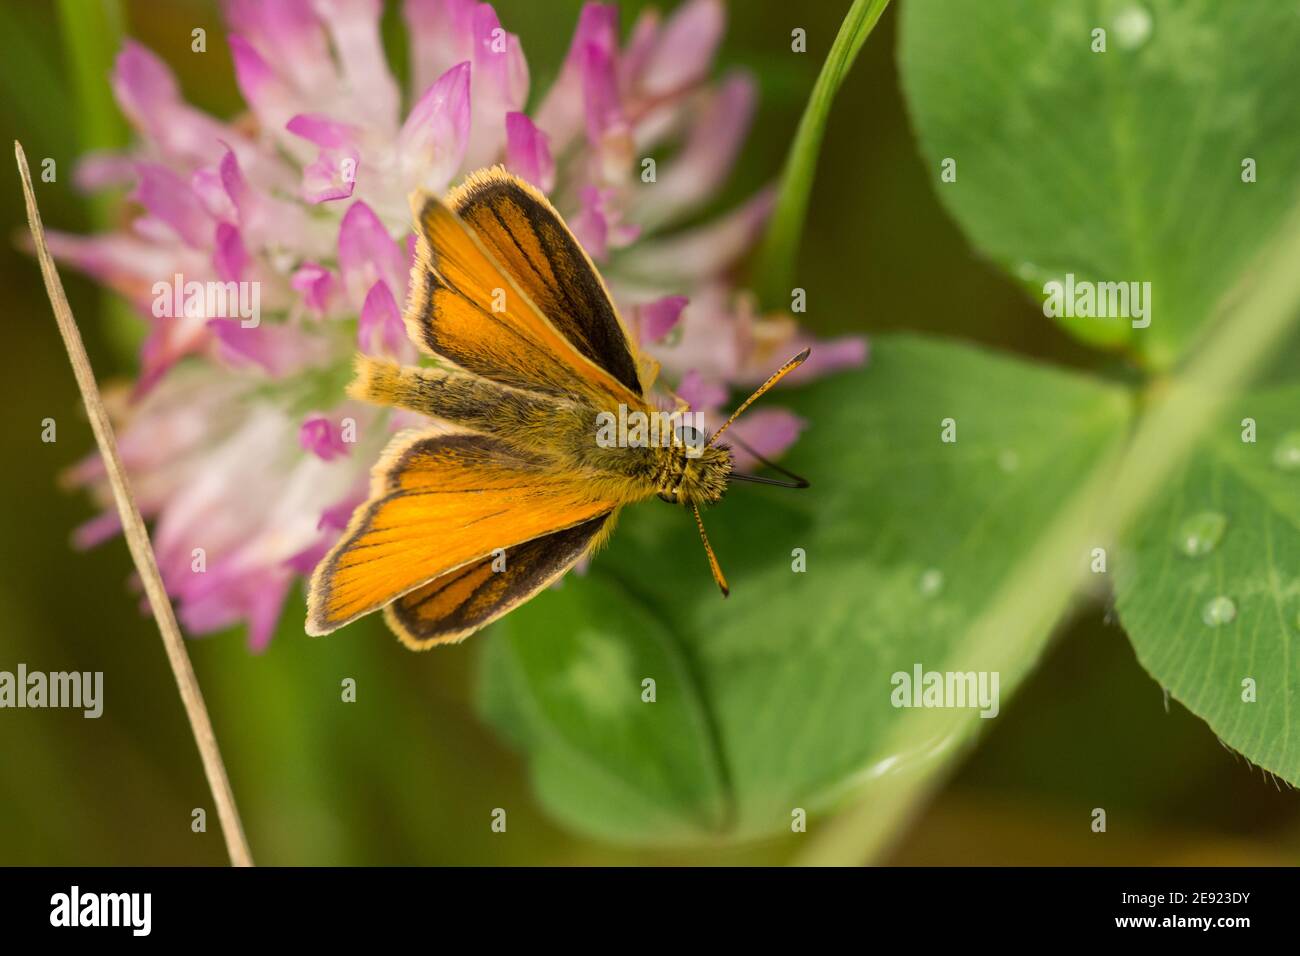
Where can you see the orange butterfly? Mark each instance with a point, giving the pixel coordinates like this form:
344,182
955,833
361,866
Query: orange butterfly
532,362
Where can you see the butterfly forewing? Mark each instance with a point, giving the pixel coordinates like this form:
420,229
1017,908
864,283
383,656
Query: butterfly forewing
468,307
524,233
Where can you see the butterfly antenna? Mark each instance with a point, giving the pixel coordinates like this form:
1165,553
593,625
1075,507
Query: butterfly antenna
713,558
795,480
776,376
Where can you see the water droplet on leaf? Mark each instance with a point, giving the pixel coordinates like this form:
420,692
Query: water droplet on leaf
1201,533
1008,460
1286,455
1219,611
1132,26
931,582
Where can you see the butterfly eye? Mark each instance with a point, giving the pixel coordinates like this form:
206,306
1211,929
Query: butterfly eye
689,435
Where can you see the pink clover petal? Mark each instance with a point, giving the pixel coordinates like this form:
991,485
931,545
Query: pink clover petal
528,152
656,319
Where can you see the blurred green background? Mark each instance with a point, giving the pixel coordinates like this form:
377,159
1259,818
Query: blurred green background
408,774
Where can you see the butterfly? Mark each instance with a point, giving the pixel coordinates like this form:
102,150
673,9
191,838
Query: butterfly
532,359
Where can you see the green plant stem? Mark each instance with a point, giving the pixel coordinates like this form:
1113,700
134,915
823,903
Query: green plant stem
776,256
91,31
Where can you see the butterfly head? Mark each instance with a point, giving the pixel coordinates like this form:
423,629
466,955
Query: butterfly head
694,475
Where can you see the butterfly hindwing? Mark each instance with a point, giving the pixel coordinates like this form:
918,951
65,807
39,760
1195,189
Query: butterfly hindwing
460,602
440,502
